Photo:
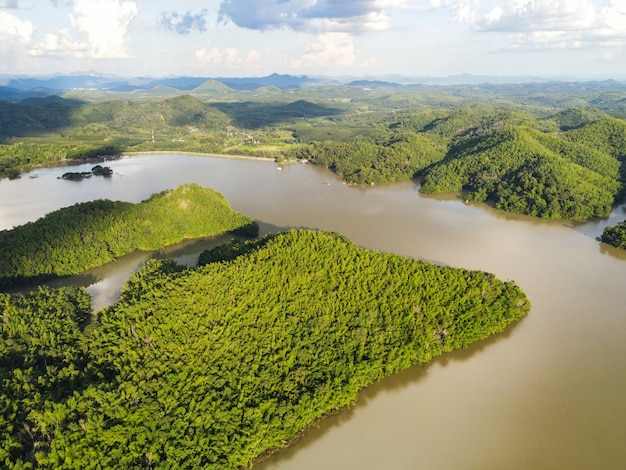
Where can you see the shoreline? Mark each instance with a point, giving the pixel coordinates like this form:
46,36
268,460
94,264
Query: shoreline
106,158
199,154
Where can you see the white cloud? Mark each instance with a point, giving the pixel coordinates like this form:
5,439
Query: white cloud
61,44
102,25
328,49
229,57
541,15
546,40
463,11
373,21
14,29
614,19
555,24
313,16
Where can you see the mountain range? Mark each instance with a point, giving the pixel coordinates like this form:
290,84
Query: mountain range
92,86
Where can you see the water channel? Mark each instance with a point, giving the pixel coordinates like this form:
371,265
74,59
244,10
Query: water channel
549,393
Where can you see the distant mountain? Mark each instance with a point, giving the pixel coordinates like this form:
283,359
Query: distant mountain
373,83
180,83
13,94
67,82
74,82
461,79
276,80
93,87
212,86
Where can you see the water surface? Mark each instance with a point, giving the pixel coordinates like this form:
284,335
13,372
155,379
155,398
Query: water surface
548,393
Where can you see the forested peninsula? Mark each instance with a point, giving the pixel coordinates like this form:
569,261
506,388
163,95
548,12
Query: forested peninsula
85,235
215,366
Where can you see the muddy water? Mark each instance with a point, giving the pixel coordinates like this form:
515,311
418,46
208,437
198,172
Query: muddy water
549,393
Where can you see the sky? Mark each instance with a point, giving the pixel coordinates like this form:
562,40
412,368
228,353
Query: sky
357,38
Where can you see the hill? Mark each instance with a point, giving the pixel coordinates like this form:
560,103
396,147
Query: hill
76,238
567,165
510,144
523,170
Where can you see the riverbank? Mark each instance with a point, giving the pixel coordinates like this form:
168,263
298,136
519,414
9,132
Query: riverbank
106,158
200,154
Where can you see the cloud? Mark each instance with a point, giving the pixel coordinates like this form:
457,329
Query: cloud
13,29
9,4
229,57
545,24
463,11
558,24
183,23
328,49
103,27
542,15
614,20
311,15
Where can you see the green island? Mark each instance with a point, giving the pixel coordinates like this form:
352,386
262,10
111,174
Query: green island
85,235
97,170
219,365
615,235
555,151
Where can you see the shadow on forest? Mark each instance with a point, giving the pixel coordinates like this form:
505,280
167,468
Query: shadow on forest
253,115
35,116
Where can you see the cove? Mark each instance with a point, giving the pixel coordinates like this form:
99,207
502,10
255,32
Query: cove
549,393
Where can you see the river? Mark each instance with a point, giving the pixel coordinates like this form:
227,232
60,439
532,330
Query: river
549,393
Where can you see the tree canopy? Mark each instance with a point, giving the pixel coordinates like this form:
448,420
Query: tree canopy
215,366
615,235
85,235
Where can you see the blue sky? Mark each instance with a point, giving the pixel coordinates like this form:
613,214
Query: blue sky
550,38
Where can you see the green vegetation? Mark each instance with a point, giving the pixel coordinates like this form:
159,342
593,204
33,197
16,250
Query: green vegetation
97,170
615,235
542,167
547,150
215,366
44,131
76,238
531,172
42,364
397,156
100,170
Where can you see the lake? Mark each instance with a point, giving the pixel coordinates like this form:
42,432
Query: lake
548,393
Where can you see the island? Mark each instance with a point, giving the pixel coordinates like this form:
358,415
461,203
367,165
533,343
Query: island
615,235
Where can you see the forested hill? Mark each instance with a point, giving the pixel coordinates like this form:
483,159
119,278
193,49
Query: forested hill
569,165
215,366
524,153
531,172
85,235
56,130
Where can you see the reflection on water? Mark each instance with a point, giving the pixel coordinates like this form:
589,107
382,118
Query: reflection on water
549,393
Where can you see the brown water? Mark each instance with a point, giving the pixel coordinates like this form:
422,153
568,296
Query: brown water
550,393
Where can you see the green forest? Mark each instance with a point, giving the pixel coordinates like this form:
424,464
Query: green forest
85,235
218,365
552,151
